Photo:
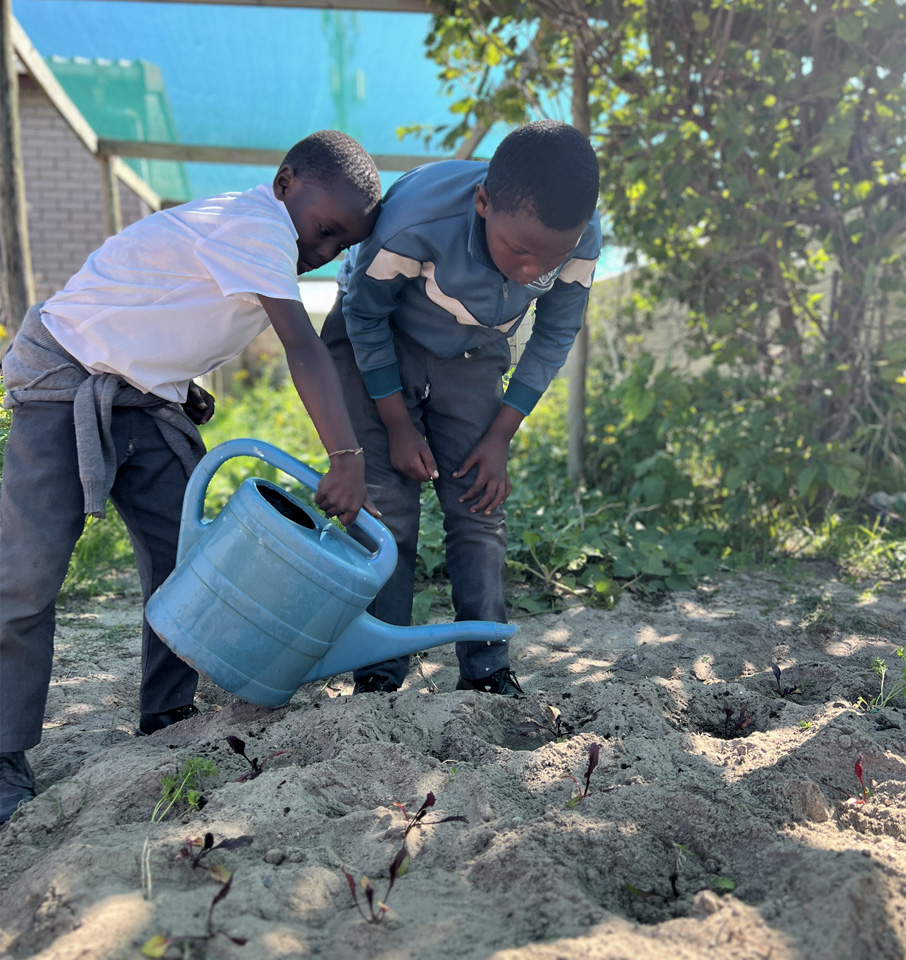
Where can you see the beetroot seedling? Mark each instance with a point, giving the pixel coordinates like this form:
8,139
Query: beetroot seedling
554,725
238,747
196,848
743,720
417,819
859,801
593,754
158,945
377,909
782,691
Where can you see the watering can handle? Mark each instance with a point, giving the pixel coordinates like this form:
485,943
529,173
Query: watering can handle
193,524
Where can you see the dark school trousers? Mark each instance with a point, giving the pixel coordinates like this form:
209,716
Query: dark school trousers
42,517
452,402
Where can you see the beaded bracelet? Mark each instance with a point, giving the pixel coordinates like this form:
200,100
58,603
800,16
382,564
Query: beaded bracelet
355,451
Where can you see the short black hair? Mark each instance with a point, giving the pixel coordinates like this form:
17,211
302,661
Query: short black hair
329,155
549,169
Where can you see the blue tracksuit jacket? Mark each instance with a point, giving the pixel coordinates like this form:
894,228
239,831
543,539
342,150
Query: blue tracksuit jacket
426,266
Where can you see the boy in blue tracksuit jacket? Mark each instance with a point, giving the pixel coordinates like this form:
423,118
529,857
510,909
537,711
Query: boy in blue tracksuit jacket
460,253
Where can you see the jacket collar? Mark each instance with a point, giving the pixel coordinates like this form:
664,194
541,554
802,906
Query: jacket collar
478,244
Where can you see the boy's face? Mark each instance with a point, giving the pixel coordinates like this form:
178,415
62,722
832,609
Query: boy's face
521,247
329,217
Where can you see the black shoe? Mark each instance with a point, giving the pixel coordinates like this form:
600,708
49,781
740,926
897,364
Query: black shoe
152,722
375,683
502,682
17,783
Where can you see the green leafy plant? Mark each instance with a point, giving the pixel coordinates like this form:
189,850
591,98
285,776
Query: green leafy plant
183,787
897,687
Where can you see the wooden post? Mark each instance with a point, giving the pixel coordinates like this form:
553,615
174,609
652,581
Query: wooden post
113,217
18,282
578,356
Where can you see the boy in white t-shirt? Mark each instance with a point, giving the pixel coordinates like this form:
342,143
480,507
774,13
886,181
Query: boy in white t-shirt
100,382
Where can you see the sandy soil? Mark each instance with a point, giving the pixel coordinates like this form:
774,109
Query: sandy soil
699,837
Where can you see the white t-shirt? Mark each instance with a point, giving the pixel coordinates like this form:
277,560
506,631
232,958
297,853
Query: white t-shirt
174,296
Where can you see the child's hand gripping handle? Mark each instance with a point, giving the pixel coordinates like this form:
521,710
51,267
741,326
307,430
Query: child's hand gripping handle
193,523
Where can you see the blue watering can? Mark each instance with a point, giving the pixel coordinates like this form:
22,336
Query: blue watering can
270,595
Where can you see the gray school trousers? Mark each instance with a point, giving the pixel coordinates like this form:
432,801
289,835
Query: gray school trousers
42,517
452,402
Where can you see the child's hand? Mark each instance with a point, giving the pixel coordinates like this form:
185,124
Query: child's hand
492,482
410,454
199,405
341,492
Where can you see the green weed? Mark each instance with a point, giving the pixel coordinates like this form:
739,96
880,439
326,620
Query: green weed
183,786
897,687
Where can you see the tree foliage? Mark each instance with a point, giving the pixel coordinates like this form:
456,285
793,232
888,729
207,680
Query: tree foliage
752,154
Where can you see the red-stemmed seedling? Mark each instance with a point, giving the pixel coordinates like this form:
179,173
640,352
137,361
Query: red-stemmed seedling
158,945
744,719
782,691
593,754
859,801
399,866
377,910
554,725
196,848
417,819
238,747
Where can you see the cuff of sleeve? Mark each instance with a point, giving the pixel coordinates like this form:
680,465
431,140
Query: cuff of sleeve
382,382
521,397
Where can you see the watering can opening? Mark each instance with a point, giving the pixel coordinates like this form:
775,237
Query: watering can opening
285,506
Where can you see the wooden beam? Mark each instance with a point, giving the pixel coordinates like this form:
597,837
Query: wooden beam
577,365
18,280
35,65
199,153
113,215
129,178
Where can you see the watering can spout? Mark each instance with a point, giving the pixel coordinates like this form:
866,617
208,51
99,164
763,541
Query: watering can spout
369,640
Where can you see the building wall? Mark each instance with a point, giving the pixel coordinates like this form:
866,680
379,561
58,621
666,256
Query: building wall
63,193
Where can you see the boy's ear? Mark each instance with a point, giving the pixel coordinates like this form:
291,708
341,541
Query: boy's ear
284,178
482,201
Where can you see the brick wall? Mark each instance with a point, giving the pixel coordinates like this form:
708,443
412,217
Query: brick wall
63,193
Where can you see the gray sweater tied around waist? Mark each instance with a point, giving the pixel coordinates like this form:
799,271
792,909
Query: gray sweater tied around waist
36,367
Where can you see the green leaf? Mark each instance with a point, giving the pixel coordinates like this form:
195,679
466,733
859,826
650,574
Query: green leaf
723,885
736,477
156,946
804,482
844,479
639,402
849,28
